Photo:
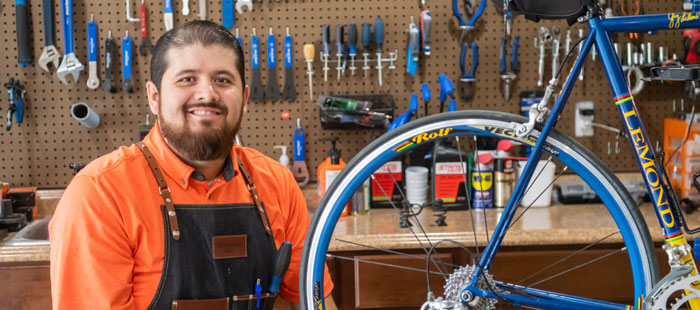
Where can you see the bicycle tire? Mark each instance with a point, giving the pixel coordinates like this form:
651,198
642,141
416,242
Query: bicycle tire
612,192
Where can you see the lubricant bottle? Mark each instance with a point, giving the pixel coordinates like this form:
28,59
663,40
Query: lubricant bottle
386,184
329,169
503,174
482,182
449,175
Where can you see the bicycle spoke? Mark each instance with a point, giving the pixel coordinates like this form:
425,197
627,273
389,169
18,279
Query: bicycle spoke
395,252
577,267
538,196
469,205
381,264
567,257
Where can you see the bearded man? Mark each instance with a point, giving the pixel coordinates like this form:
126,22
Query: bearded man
184,219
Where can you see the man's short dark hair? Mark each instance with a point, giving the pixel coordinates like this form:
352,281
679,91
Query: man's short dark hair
194,32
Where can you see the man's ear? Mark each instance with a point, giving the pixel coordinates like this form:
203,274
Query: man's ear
246,95
152,95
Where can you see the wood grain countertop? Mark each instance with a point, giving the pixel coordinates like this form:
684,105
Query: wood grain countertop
546,226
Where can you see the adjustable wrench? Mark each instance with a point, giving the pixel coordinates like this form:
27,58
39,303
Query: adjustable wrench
49,55
70,64
93,82
244,3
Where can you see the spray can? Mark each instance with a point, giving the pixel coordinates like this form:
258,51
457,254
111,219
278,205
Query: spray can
503,174
482,182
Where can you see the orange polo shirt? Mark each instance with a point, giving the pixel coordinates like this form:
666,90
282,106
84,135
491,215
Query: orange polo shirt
107,234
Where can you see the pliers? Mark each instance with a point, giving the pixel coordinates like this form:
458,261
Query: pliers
471,75
469,7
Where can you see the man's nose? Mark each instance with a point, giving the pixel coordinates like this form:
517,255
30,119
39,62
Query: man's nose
206,92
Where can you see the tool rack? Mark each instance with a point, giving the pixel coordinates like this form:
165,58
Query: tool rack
37,152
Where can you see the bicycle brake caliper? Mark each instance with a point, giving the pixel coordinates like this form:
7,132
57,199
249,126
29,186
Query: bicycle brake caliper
538,112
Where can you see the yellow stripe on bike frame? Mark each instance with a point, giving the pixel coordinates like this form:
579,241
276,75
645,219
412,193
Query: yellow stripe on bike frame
618,102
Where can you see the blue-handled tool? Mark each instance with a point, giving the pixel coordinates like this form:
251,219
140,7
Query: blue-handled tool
23,54
70,64
280,266
458,14
256,88
93,81
352,46
258,294
452,106
514,55
379,40
472,21
227,14
238,38
126,62
406,116
413,48
339,47
299,169
446,89
471,75
168,14
272,92
366,41
426,97
288,91
508,75
16,91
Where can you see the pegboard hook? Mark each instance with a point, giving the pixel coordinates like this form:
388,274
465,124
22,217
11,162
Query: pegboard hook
128,14
298,122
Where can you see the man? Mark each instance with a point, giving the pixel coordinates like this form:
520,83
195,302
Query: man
184,219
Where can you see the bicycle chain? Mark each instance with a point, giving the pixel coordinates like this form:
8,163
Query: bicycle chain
454,285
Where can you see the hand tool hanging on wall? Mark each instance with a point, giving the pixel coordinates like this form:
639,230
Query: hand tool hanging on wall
339,47
185,7
145,46
446,89
471,75
426,19
93,81
426,97
288,92
256,89
272,92
309,52
168,14
299,169
238,38
50,54
227,14
202,9
16,91
366,40
556,39
413,48
126,62
70,63
128,13
109,54
23,53
543,37
325,49
508,76
244,3
379,40
352,46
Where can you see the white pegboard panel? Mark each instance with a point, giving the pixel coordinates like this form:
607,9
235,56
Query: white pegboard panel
37,152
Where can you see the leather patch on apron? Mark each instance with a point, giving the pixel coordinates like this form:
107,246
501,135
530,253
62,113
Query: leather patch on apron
206,304
231,246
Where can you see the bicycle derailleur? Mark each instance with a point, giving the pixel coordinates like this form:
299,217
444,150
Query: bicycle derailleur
455,299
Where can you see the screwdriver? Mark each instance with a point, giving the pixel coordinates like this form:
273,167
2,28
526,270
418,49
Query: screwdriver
309,52
352,43
326,34
280,266
379,39
339,45
366,39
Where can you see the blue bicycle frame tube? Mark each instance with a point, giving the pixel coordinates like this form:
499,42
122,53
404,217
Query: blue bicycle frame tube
600,35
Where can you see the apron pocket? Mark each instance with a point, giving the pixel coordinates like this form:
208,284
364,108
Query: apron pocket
250,302
203,304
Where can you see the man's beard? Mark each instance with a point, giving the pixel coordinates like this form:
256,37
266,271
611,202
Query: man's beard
204,145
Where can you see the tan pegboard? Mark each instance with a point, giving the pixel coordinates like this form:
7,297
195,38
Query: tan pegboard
38,151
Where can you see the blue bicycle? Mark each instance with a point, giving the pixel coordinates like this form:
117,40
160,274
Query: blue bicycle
477,286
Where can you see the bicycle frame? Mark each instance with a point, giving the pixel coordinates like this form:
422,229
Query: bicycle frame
599,34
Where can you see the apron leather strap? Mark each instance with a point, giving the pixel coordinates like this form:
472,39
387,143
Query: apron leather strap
254,193
163,189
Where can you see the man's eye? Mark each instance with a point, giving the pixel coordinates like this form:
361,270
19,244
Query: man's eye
187,79
222,80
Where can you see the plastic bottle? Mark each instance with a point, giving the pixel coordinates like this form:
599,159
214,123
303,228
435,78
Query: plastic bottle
503,174
284,159
387,185
448,175
348,104
329,169
482,182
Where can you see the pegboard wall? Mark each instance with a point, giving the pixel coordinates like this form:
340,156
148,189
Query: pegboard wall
37,151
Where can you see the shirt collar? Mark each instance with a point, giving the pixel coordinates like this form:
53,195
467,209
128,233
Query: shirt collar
175,168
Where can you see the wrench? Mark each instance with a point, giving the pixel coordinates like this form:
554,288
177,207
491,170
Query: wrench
50,54
70,64
145,46
241,3
93,82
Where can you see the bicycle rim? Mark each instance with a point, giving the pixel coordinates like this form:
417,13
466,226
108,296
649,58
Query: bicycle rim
565,151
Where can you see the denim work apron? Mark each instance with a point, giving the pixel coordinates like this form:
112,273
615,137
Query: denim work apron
214,254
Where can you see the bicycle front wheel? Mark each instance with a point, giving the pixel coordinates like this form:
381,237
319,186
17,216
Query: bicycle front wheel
637,252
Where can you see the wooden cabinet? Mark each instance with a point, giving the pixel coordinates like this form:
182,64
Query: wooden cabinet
25,286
